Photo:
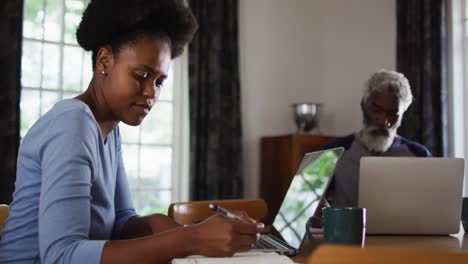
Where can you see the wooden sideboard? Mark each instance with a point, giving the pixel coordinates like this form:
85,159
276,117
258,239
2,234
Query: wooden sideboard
280,159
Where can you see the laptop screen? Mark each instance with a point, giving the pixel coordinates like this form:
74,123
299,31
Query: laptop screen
305,191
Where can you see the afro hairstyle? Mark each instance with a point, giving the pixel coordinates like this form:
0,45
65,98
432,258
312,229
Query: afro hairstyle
119,22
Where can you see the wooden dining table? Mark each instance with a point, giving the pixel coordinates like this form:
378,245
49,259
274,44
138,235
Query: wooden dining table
456,242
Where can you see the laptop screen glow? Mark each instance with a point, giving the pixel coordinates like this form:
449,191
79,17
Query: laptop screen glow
304,194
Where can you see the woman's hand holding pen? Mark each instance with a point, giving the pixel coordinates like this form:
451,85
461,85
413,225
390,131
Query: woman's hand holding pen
221,236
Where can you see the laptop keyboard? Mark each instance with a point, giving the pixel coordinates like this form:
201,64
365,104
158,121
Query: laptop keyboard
263,244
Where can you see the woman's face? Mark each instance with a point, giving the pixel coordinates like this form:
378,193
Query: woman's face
134,79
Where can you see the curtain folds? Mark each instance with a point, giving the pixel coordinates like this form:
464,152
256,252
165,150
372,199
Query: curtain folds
215,116
421,43
11,16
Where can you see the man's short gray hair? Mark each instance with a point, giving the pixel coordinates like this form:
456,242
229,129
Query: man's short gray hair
392,82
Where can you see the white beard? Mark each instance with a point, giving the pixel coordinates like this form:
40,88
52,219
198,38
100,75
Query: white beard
377,138
377,143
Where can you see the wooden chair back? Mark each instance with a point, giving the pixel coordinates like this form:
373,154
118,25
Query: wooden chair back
3,215
186,213
328,254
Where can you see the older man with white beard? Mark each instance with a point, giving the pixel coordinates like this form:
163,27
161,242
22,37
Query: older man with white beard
387,96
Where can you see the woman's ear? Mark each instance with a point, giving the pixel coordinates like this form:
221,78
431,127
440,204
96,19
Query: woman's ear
104,60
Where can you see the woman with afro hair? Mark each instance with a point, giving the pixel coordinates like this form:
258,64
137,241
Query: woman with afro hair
71,202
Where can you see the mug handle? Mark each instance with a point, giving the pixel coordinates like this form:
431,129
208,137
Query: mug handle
312,230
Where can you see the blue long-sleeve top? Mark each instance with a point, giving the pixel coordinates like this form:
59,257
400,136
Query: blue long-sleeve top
71,193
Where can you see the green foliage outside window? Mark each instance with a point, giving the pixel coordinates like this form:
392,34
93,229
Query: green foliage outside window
317,173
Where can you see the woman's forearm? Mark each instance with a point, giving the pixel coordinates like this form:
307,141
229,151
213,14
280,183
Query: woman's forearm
217,236
159,248
140,226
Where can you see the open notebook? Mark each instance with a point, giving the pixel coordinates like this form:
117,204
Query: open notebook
302,199
238,258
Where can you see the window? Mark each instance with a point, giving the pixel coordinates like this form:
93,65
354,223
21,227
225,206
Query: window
458,79
54,67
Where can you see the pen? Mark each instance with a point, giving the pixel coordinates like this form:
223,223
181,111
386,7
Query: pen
228,214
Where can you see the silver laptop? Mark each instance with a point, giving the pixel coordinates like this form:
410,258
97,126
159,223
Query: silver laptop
411,195
304,195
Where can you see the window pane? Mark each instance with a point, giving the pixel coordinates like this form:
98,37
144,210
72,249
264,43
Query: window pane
155,167
74,9
72,56
31,64
33,15
29,108
167,89
150,202
157,126
465,14
130,159
129,134
87,70
48,101
68,95
53,20
50,70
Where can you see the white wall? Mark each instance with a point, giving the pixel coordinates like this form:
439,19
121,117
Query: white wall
308,50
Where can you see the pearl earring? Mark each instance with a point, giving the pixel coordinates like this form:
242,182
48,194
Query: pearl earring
103,72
